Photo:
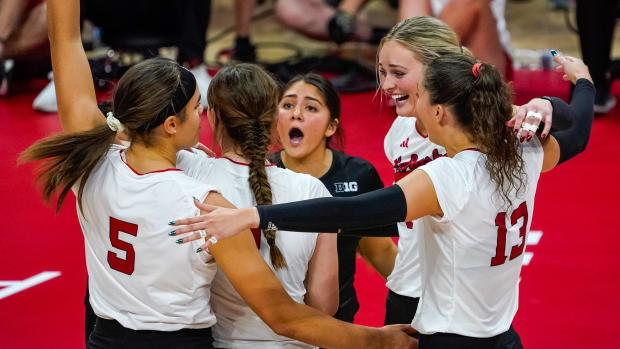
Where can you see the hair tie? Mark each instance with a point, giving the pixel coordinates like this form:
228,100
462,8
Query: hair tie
476,69
113,123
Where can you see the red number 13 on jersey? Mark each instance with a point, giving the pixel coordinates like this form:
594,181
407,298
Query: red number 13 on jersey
500,222
126,265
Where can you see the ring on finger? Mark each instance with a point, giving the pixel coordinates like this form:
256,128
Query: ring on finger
203,234
213,240
534,114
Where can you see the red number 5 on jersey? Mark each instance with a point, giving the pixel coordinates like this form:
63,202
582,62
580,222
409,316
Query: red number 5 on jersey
500,222
123,265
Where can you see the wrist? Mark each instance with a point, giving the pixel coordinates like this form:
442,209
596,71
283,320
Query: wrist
252,217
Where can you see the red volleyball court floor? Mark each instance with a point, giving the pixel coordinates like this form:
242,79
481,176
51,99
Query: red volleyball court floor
568,293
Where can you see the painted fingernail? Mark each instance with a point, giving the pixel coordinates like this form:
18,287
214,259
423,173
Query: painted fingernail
172,233
171,223
198,250
195,198
529,138
515,132
521,139
179,241
543,136
554,53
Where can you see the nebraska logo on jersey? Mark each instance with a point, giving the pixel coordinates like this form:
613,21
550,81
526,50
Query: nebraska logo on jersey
401,169
405,143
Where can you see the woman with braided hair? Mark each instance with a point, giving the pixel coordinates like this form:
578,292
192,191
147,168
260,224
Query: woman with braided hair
474,206
144,294
306,264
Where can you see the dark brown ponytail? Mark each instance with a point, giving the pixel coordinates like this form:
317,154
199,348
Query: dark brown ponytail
482,104
141,94
244,99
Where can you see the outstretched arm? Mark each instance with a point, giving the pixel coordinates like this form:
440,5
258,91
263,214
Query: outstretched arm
411,198
261,290
75,91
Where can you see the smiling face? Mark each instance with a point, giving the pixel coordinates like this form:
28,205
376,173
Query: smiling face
304,121
399,73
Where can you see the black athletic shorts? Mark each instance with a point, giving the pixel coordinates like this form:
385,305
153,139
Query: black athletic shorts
109,334
399,309
507,340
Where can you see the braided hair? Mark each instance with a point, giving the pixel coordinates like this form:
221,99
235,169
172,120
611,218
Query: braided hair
244,99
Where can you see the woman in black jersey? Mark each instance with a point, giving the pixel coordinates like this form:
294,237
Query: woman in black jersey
308,122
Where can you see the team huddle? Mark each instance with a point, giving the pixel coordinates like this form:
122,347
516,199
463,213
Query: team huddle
267,256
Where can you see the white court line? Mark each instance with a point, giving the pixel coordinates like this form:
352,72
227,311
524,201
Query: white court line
534,237
13,287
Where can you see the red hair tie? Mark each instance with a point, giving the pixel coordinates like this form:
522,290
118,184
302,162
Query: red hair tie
476,69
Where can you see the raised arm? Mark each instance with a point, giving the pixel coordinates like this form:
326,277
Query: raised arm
563,145
259,287
75,91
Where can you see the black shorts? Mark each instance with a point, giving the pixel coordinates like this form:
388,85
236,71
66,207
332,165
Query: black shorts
507,340
347,309
399,309
109,334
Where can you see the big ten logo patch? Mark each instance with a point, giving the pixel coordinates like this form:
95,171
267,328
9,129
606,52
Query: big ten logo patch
346,187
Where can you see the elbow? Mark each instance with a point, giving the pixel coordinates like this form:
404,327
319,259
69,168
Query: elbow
332,309
284,329
328,306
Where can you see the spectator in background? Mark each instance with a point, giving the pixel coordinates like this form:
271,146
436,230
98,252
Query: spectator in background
596,21
23,35
479,24
129,24
334,20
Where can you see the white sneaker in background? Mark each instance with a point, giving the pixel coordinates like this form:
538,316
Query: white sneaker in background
5,73
46,100
203,80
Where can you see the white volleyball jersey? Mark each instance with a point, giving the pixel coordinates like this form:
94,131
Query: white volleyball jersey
237,325
472,256
498,8
407,150
137,275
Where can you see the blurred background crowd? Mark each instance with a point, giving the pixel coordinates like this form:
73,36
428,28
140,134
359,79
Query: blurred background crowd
338,37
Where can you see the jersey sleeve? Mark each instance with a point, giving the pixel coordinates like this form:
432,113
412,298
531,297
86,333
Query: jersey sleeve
113,148
195,163
387,143
451,186
317,189
374,180
534,154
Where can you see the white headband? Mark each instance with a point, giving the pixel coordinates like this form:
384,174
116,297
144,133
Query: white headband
113,123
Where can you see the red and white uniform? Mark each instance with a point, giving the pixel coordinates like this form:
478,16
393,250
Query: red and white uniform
237,325
472,256
137,275
407,150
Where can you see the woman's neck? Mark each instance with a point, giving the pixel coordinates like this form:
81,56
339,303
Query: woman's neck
148,159
229,150
456,142
315,164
